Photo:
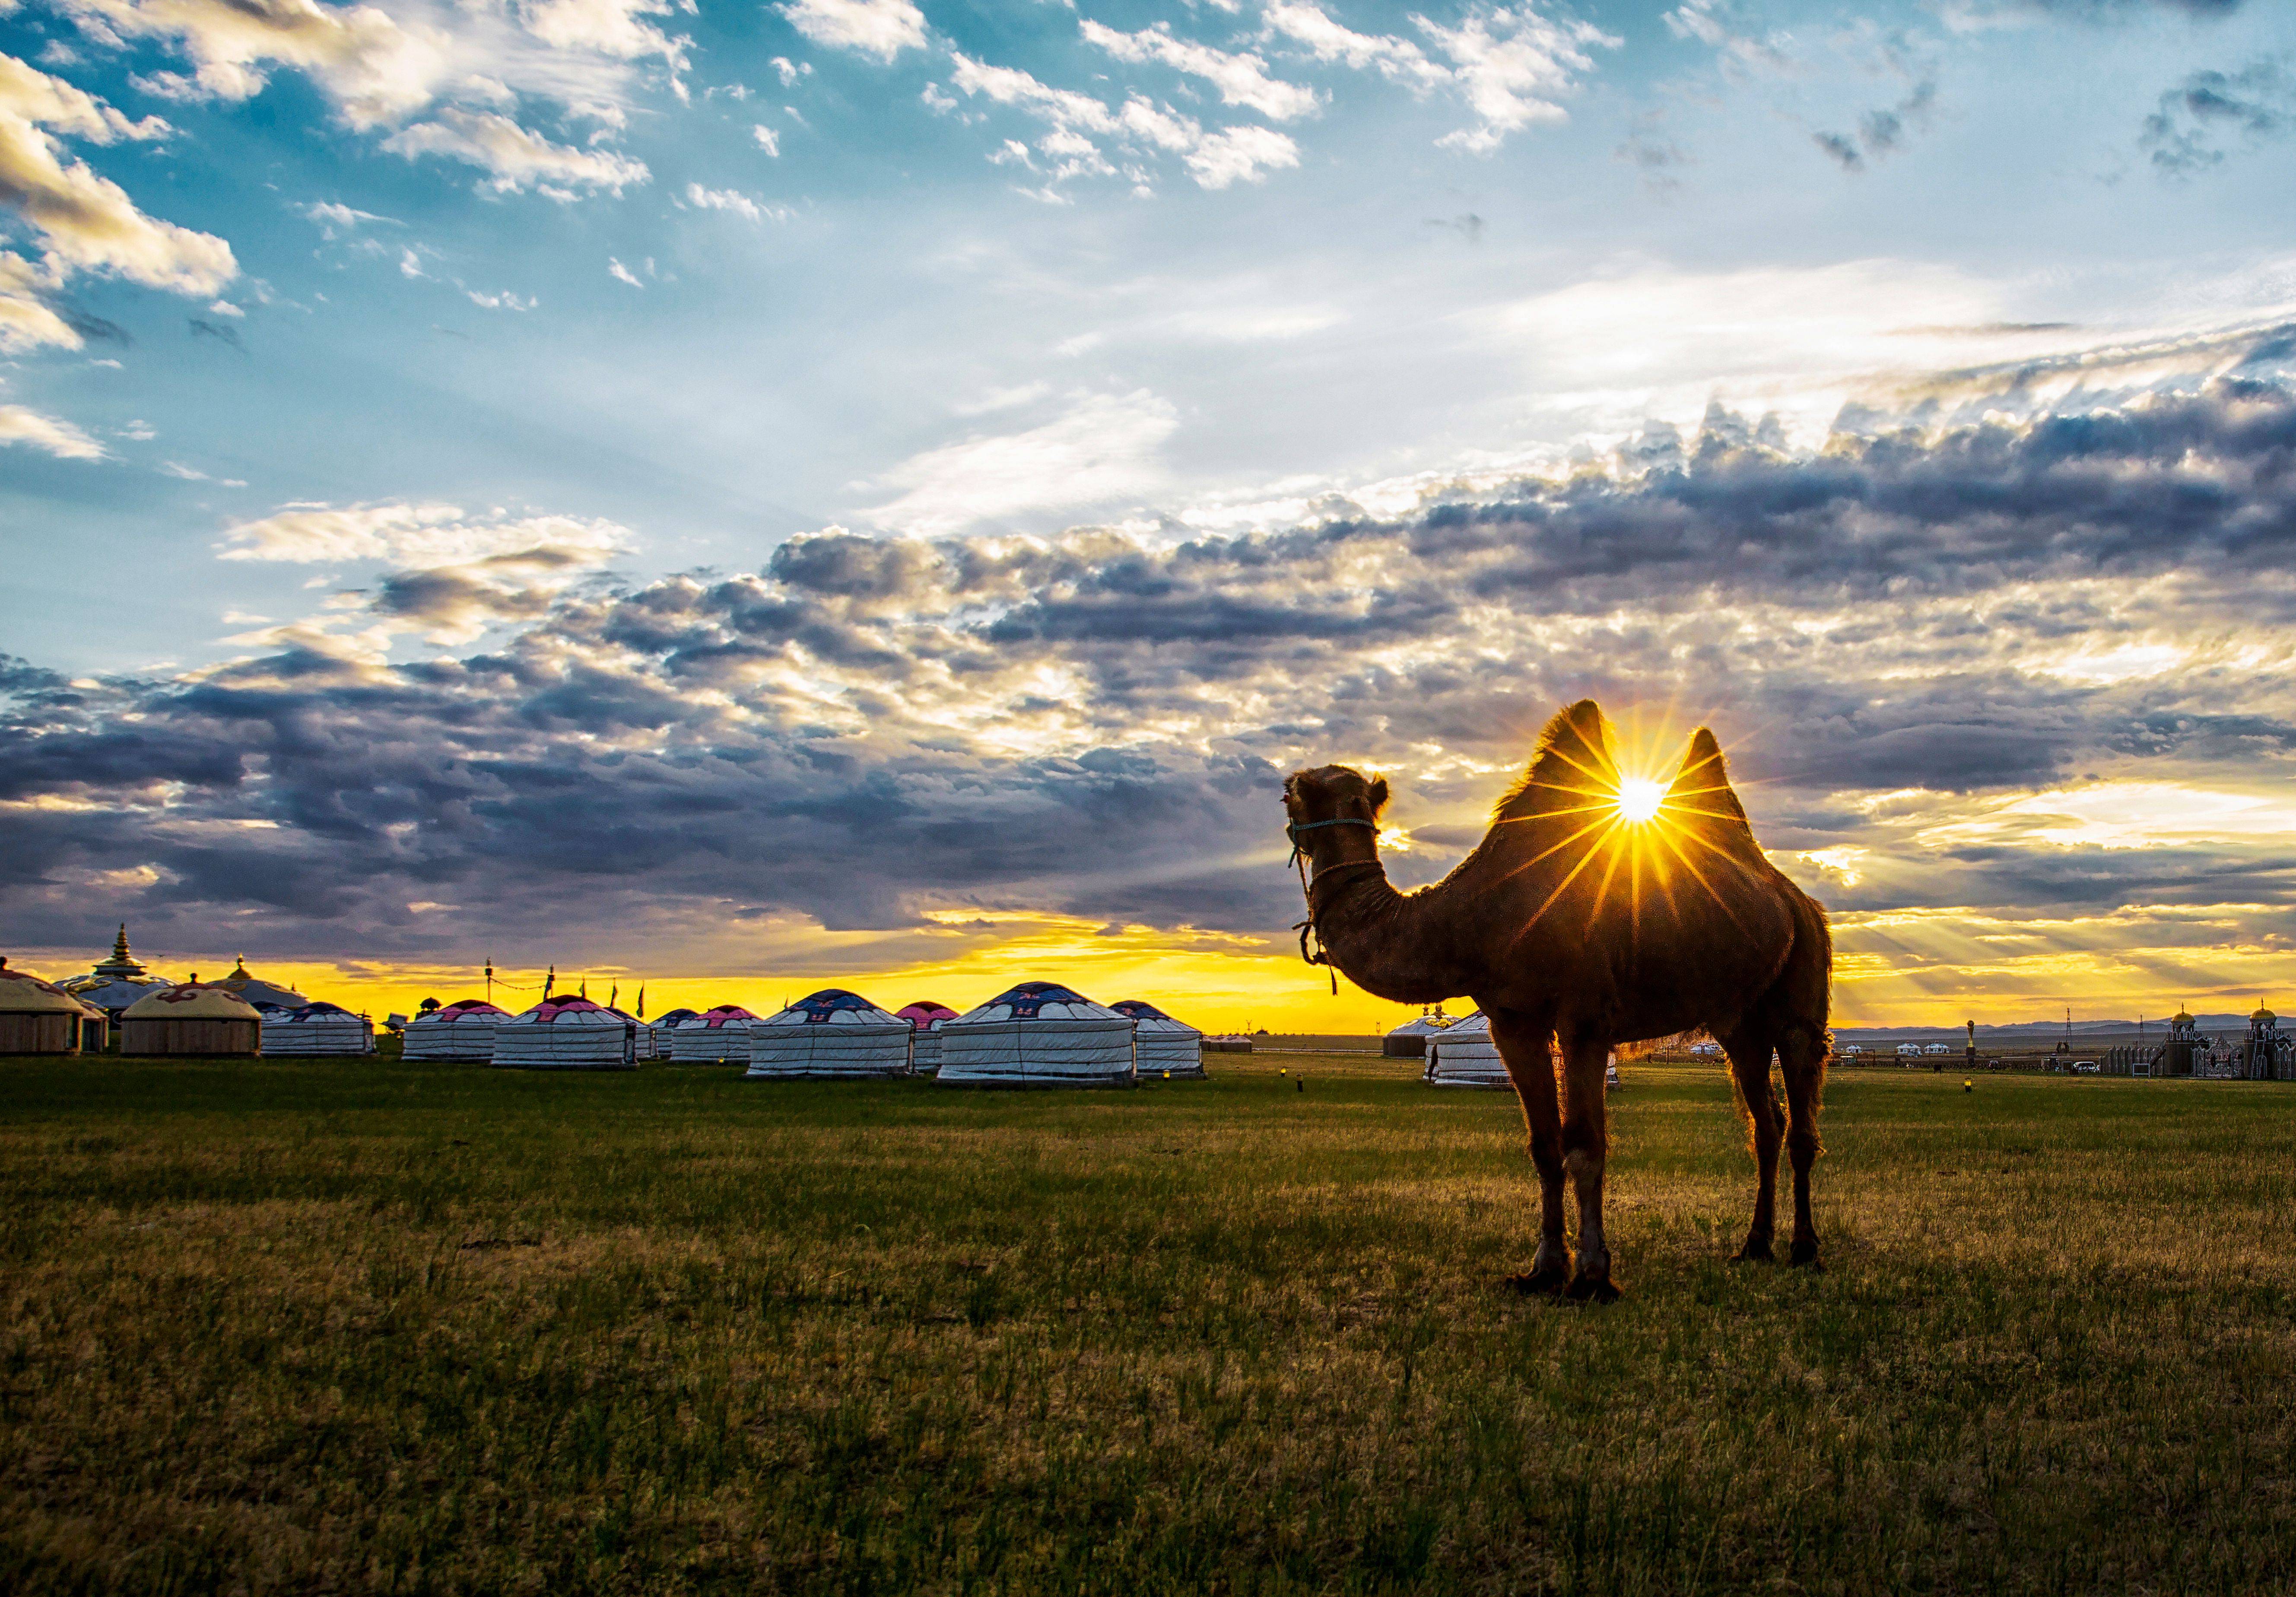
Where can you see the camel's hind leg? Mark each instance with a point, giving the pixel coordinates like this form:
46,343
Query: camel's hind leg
1527,1045
1749,1049
1585,1148
1793,1013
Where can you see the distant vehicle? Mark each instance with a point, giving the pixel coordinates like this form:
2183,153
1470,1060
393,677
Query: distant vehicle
2084,1066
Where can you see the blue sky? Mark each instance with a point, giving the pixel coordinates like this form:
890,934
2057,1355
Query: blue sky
347,348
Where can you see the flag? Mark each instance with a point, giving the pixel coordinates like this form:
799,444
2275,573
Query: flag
641,1000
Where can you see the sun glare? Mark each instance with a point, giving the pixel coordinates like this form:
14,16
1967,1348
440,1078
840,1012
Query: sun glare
1639,800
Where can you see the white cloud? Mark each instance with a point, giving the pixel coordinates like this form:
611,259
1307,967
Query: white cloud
1394,58
617,270
1105,449
1241,79
415,537
1215,160
609,26
1514,66
790,72
1240,154
880,28
504,300
734,200
226,308
516,159
335,218
769,141
86,223
19,426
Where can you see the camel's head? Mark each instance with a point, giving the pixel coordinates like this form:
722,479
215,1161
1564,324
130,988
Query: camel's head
1330,793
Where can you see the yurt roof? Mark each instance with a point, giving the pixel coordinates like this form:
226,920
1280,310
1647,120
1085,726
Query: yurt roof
1426,1025
463,1008
580,1011
192,1001
23,994
833,1006
113,991
676,1017
1476,1022
320,1010
925,1014
720,1015
1151,1020
257,991
1041,1000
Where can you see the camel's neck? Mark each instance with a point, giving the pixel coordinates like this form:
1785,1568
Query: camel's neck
1396,945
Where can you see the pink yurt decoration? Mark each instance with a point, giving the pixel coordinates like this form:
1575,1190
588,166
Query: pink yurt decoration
925,1017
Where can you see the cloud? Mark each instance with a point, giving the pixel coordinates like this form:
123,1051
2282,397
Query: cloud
1515,67
734,200
1398,59
2183,135
516,160
85,222
769,141
882,28
1880,133
1215,160
622,274
1241,79
612,27
19,426
2025,675
1103,448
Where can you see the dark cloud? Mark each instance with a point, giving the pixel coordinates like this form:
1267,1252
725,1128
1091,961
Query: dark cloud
871,732
1881,132
2186,133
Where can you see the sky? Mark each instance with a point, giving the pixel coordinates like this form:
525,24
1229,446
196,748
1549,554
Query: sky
748,498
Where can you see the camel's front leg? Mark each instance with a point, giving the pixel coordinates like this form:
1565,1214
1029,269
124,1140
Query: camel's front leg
1526,1043
1586,1145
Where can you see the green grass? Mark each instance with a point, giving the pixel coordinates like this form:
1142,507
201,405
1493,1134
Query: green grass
368,1325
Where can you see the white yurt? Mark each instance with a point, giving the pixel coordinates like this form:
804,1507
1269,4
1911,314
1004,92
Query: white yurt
641,1043
925,1017
664,1025
1039,1034
313,1030
1463,1055
1409,1040
831,1033
717,1036
566,1033
1162,1046
463,1030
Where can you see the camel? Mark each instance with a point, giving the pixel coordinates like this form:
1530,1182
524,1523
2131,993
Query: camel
1598,910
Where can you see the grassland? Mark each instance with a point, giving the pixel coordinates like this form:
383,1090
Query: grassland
366,1326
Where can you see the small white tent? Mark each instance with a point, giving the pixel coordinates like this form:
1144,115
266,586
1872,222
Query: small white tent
566,1033
1162,1046
664,1026
924,1048
461,1029
313,1030
1039,1034
715,1036
1464,1055
831,1033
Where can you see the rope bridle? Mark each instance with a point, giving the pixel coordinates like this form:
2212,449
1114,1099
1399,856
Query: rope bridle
1307,928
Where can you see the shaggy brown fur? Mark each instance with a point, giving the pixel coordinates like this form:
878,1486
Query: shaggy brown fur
1568,923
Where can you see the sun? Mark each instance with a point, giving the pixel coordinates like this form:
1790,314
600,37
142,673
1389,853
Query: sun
1639,800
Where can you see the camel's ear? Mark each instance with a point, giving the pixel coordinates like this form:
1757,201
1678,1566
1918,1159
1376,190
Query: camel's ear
1700,796
1378,795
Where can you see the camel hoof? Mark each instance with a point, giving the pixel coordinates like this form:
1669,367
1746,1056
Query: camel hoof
1805,1257
1592,1288
1754,1253
1538,1283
